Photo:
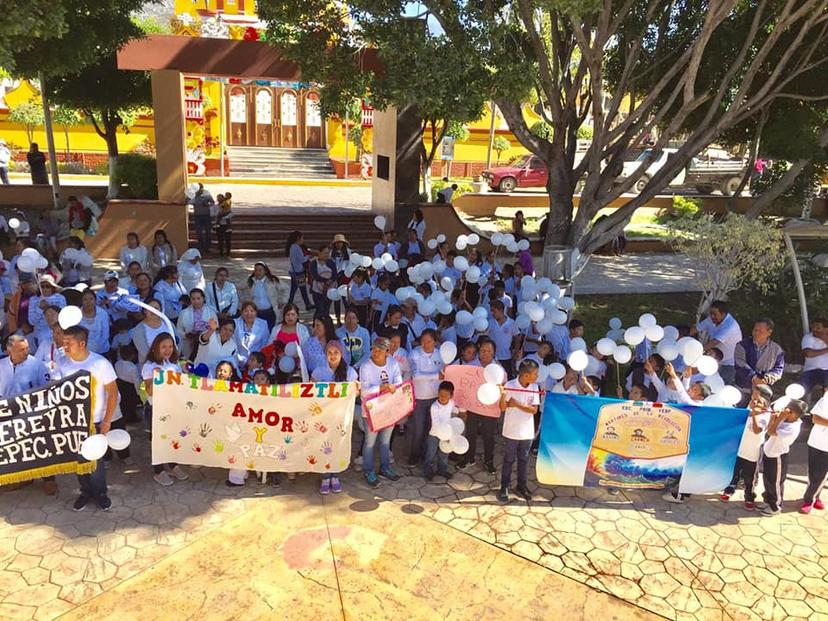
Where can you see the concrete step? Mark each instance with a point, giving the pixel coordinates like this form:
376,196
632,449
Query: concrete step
280,162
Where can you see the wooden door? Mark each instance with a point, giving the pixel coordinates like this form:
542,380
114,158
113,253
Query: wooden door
237,116
264,117
313,121
288,115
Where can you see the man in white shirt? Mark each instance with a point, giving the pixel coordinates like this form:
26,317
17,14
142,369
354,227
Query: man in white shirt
520,401
106,407
815,351
722,331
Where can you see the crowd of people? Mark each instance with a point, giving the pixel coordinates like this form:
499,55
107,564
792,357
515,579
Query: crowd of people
372,324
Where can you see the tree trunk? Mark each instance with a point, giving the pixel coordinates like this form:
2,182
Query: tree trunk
66,138
111,131
557,251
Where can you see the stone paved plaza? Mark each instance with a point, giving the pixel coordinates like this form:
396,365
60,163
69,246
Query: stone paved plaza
701,560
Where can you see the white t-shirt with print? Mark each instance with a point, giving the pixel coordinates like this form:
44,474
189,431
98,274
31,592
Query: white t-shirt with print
103,373
751,445
441,413
517,424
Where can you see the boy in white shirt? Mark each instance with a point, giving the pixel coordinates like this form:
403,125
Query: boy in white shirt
441,412
750,447
783,430
519,400
817,457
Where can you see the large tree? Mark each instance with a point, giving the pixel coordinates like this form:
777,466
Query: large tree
689,68
426,72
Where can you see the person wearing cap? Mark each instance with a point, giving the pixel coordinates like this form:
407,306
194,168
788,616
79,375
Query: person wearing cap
340,257
113,298
190,272
378,374
783,430
5,158
48,296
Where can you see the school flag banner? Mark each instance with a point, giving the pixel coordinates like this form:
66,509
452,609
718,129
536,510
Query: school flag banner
281,428
591,441
41,431
387,409
467,380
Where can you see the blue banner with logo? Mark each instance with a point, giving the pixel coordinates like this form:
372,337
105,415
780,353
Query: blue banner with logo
597,442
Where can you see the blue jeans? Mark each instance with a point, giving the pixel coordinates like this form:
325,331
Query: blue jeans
4,175
384,446
432,451
515,450
421,417
203,225
94,485
814,377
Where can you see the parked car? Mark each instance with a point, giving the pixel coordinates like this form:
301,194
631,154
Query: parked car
703,176
528,171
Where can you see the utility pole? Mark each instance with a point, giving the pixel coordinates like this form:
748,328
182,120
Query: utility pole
347,140
50,142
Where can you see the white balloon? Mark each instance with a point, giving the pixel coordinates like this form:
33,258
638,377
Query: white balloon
558,317
534,311
42,263
287,364
616,335
593,366
494,373
439,266
497,239
795,391
554,291
578,360
528,293
730,395
473,239
366,261
447,283
523,244
566,303
578,344
459,444
557,371
508,238
377,264
386,257
460,244
707,365
488,394
615,323
522,322
781,403
379,222
605,346
14,223
622,354
349,270
669,350
654,333
544,284
461,263
333,294
646,320
481,324
691,350
671,333
441,238
26,264
427,308
94,447
715,382
633,336
464,317
445,307
543,374
714,400
457,426
355,259
291,349
432,244
545,326
448,352
443,431
511,247
392,266
473,274
445,446
69,316
118,439
480,311
426,269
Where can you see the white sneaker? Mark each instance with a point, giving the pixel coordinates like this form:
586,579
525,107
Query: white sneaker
179,474
163,479
676,500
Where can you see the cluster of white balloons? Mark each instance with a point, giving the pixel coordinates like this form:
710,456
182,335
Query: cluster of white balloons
451,436
94,447
508,241
337,293
489,393
385,262
191,190
77,257
31,260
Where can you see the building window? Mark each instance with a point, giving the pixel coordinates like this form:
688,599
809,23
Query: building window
288,106
264,107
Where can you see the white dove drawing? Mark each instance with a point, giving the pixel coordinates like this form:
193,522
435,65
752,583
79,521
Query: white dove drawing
233,432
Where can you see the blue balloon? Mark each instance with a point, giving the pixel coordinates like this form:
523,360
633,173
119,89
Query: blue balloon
201,369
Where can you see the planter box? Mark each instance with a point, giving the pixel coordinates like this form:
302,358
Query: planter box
354,169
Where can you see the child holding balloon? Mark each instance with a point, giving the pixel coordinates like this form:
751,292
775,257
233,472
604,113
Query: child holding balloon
520,399
441,412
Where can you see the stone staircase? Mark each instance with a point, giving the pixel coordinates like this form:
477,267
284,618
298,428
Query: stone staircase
262,235
271,162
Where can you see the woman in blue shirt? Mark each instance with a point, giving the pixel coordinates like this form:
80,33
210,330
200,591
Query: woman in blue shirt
169,291
298,260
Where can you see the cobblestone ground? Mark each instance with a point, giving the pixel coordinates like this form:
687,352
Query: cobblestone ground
700,560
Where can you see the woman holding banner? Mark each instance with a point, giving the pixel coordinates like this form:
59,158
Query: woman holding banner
145,332
335,370
478,423
162,356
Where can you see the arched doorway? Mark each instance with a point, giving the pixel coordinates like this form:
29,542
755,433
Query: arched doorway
313,121
289,118
237,116
264,117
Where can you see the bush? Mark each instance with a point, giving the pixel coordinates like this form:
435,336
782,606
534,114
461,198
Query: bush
462,188
683,208
73,168
101,169
138,172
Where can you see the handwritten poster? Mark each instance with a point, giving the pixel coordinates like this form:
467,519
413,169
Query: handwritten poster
467,379
387,409
282,428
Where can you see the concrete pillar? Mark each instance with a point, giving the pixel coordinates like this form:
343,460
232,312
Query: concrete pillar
395,185
170,135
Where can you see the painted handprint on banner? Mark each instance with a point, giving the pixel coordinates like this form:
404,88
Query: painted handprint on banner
196,448
303,426
218,446
320,427
175,444
327,449
184,432
232,432
288,439
231,460
311,459
251,465
213,409
205,430
341,429
281,454
315,409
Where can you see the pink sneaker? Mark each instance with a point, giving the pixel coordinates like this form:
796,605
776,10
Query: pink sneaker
818,505
806,508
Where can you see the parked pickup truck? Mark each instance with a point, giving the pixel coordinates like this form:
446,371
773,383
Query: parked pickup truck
704,177
528,171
